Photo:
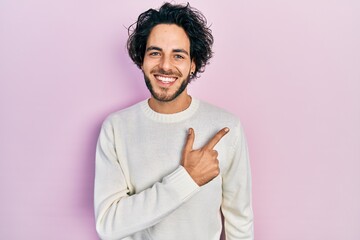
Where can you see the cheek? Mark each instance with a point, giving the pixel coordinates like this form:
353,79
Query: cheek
149,64
185,69
145,68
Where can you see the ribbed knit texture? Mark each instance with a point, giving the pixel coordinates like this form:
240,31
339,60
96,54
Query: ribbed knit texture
141,190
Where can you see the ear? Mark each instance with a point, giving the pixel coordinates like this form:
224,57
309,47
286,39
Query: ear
192,66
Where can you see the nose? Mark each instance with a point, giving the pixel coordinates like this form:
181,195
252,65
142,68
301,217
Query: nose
165,63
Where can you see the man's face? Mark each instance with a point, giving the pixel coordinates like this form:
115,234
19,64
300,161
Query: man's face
167,63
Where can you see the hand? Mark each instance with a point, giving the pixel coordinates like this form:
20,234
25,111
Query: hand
202,164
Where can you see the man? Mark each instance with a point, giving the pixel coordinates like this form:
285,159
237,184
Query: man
167,166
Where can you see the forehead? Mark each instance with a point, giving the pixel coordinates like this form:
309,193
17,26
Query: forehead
168,36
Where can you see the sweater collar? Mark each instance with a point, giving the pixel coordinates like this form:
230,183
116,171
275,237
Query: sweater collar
170,118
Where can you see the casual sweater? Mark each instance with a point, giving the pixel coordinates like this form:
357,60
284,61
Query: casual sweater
141,190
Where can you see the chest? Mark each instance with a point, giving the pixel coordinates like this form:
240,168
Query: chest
152,152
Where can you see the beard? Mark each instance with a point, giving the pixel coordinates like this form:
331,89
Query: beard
163,96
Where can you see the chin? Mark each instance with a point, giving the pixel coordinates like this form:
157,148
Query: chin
166,97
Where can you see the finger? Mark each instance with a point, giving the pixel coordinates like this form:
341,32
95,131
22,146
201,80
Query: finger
218,136
215,153
190,140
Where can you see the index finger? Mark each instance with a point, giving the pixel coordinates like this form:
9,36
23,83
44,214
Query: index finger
218,136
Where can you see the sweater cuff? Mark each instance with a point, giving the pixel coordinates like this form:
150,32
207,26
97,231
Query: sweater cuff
183,183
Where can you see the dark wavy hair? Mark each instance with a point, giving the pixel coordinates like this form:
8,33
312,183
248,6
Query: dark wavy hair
190,19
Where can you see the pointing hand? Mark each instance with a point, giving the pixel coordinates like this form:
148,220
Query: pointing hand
202,164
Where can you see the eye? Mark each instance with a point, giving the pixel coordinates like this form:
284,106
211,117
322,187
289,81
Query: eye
154,54
177,56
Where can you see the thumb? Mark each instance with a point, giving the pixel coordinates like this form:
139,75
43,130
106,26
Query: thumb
189,141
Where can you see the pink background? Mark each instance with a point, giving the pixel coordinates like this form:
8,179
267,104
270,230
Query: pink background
289,69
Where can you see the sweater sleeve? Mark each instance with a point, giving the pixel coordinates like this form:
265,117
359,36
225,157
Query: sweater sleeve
118,212
236,205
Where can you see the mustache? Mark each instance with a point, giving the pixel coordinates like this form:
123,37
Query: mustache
164,72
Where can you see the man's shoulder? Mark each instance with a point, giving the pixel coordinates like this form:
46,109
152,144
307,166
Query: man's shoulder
212,118
125,113
217,113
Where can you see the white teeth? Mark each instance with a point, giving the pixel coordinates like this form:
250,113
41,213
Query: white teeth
166,79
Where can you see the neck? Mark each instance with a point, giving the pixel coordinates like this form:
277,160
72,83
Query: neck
179,104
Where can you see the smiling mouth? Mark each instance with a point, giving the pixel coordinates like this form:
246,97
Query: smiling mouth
165,79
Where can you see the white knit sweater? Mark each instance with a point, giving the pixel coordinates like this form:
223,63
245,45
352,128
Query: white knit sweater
141,190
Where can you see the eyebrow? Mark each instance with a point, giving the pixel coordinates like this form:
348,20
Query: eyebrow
181,51
177,50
